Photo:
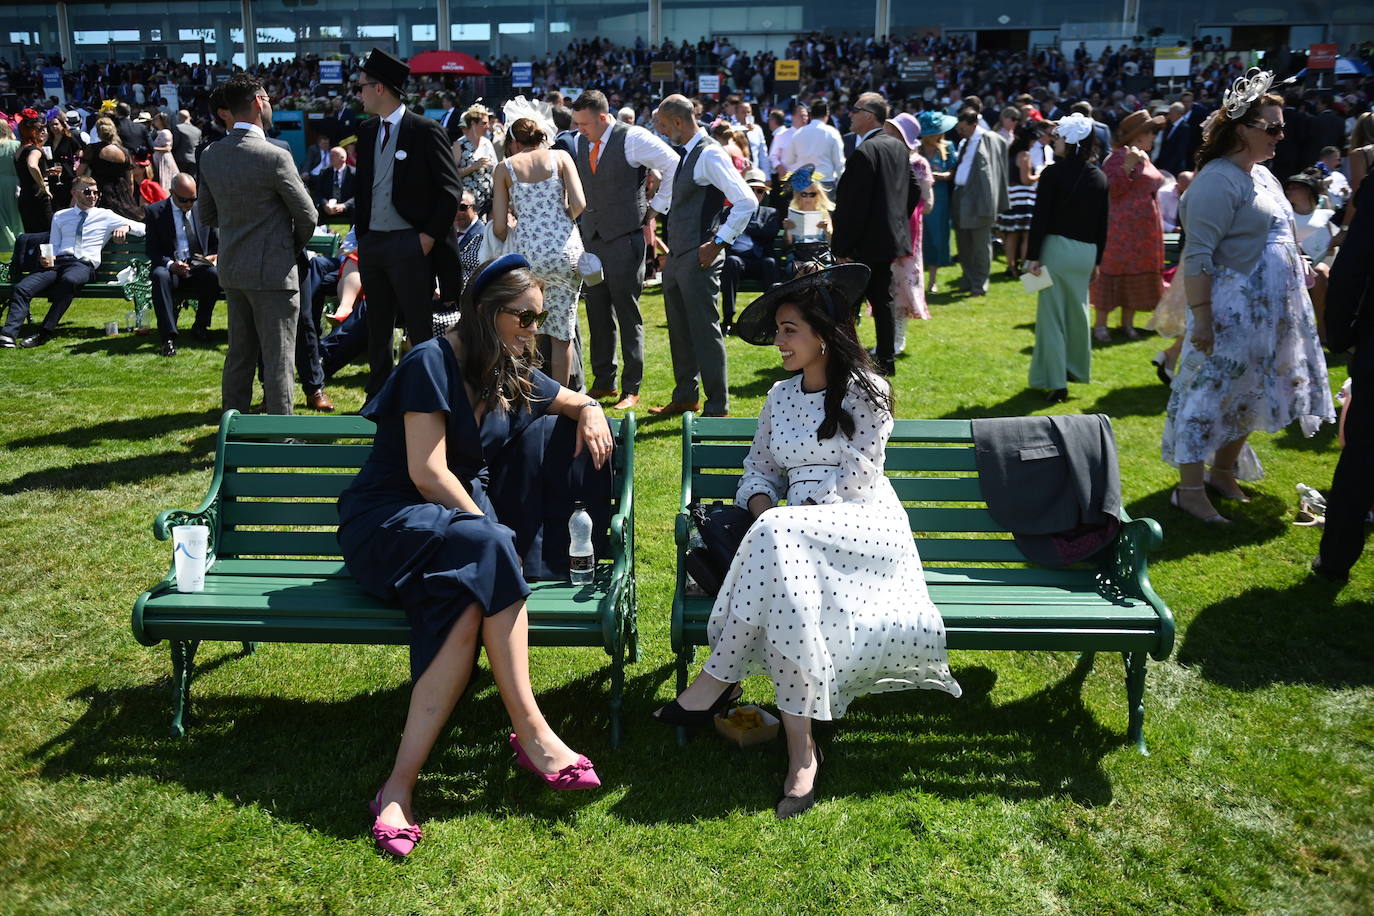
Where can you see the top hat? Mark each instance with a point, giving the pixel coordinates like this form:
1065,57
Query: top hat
389,70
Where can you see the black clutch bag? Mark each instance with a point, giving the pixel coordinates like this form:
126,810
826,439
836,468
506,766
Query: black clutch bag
720,529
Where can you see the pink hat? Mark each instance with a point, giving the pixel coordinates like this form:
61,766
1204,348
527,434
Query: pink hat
909,127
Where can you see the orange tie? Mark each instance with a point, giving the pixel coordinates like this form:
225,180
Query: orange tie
596,155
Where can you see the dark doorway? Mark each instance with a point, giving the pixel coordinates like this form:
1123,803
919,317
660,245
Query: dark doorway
1003,39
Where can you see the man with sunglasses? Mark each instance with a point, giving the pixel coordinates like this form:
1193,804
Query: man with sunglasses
77,236
183,251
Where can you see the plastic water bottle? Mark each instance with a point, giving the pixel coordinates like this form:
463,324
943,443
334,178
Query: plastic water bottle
581,557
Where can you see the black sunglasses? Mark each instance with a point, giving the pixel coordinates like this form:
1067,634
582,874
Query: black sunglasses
529,317
466,207
185,200
808,193
357,90
1272,130
89,192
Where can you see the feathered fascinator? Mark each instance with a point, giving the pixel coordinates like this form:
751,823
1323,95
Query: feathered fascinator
1247,90
538,112
28,114
108,106
1075,128
803,177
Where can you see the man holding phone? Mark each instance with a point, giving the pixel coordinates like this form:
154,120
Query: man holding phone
77,236
183,251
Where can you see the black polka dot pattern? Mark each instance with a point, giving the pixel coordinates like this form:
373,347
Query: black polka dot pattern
827,600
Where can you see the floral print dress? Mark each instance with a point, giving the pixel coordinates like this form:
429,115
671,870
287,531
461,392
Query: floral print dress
550,241
1266,369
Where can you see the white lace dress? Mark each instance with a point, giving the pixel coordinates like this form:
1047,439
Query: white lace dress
828,600
549,240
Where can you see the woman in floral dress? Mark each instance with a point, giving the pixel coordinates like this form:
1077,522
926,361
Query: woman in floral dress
908,282
1129,278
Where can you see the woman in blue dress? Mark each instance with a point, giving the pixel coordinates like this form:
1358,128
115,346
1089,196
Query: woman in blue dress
943,161
417,524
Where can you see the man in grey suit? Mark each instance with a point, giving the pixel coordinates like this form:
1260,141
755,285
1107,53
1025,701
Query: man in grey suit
612,161
980,193
186,139
250,191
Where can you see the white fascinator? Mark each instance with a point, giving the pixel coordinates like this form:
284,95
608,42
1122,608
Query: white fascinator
1075,128
538,112
1246,91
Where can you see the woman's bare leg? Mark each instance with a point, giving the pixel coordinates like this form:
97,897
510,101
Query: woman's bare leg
506,638
802,758
431,703
350,283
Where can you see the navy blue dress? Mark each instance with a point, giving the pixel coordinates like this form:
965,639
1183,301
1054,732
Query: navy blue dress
437,561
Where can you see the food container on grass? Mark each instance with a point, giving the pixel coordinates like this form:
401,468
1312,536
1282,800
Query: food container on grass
739,726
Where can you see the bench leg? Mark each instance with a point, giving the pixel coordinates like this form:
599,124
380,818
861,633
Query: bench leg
1135,699
183,665
684,661
249,648
1085,664
632,624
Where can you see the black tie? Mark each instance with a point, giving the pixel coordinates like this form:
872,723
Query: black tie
192,242
386,134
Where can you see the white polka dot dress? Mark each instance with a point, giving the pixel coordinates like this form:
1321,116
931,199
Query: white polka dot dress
828,600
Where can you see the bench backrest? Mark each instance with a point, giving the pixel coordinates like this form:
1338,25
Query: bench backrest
116,256
931,466
278,499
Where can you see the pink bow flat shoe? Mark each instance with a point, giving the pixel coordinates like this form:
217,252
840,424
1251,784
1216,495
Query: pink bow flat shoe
399,841
577,775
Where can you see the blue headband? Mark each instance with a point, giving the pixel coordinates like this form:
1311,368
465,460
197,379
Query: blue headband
502,265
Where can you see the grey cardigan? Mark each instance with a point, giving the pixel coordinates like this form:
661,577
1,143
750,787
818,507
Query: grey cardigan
1226,217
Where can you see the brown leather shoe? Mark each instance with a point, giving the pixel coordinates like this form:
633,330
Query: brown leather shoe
318,400
673,408
627,402
600,394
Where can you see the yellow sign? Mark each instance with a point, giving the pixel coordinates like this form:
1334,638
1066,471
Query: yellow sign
661,71
787,71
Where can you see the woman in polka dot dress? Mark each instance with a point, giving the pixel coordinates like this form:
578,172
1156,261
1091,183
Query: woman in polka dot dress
826,595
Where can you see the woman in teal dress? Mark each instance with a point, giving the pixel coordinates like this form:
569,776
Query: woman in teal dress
943,160
11,225
423,524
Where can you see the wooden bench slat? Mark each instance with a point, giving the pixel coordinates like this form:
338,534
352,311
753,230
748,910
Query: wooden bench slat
282,484
1087,616
951,519
307,569
278,544
903,458
270,425
241,512
294,455
971,550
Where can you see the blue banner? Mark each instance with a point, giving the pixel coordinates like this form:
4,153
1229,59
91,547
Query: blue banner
331,71
521,75
52,83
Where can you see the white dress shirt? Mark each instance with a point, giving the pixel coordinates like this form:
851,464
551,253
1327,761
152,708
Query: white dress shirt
95,232
644,150
859,142
251,128
714,168
781,139
819,144
394,119
758,149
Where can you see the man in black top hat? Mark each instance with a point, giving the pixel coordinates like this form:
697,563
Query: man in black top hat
407,192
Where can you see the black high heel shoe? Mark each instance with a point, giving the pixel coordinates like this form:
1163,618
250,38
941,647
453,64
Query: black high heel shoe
792,805
673,713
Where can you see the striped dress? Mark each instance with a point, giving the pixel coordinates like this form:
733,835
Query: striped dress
1021,198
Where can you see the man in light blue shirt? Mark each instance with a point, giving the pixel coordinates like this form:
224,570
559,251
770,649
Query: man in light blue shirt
77,236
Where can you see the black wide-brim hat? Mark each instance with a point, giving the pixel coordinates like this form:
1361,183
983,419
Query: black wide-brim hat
387,69
842,285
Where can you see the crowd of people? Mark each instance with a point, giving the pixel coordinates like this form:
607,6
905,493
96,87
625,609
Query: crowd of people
477,232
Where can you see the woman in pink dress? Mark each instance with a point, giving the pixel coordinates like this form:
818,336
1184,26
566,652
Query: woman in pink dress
1129,277
908,275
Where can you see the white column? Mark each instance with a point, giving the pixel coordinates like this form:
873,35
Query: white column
655,22
881,18
403,42
250,34
64,35
443,28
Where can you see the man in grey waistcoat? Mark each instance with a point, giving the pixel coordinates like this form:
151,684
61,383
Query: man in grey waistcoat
612,161
698,235
250,191
980,193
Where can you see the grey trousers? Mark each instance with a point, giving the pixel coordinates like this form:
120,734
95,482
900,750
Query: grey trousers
262,325
615,301
975,257
694,337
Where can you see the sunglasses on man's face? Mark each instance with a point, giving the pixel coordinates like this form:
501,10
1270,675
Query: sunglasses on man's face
185,200
528,317
89,192
466,207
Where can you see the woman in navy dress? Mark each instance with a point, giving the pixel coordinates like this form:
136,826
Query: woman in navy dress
417,524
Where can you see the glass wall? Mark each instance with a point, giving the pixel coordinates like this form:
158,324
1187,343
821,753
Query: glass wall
26,31
156,28
499,28
286,28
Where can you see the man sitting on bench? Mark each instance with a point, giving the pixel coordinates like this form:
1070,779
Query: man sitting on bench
78,234
183,251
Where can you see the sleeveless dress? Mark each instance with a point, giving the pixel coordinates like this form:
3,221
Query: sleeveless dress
11,223
549,240
35,207
1266,369
1020,200
935,247
112,180
828,600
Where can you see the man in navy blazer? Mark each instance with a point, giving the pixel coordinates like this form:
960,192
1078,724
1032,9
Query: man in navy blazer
183,251
336,183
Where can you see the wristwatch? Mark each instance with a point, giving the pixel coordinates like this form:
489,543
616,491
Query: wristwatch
720,241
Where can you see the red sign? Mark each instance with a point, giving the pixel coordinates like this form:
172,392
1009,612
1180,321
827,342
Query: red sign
1322,57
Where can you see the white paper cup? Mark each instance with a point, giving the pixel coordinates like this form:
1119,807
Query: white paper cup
45,250
130,320
111,328
47,152
190,544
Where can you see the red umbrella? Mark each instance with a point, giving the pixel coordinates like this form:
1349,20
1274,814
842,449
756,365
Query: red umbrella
454,63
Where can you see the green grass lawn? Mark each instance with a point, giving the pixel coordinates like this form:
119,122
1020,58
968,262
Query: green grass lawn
1021,797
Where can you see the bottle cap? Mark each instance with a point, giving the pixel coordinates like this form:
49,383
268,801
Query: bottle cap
578,504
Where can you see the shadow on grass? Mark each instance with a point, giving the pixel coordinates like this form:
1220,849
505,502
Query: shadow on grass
315,763
100,475
1260,520
134,429
1298,635
1021,404
1135,401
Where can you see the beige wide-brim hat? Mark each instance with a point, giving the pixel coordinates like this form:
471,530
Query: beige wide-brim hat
1135,124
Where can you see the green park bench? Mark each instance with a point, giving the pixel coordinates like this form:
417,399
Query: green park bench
104,283
275,574
990,595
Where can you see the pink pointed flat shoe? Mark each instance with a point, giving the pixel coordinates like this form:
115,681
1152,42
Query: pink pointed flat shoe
399,841
577,775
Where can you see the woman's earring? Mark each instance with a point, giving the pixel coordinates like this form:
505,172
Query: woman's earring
822,348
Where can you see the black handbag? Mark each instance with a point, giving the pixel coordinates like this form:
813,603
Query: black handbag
720,529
